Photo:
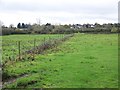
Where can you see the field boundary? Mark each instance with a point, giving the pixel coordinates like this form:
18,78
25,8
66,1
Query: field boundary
41,48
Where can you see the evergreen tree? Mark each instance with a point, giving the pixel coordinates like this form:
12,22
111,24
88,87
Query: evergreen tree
19,25
23,25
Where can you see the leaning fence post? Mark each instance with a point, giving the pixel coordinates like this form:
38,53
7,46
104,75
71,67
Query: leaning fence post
19,49
13,54
44,41
34,49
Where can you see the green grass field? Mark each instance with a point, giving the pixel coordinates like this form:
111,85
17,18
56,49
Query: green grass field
83,61
10,48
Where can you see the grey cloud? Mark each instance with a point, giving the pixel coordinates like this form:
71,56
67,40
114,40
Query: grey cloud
79,11
71,8
94,17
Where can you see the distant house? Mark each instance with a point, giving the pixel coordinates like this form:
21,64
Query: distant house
85,26
76,26
48,24
92,26
88,26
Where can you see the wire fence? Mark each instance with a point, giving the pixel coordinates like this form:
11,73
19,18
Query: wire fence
26,50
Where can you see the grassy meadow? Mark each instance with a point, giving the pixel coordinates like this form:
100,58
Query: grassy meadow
82,61
10,47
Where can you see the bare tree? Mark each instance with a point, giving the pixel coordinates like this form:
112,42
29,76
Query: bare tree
38,21
11,26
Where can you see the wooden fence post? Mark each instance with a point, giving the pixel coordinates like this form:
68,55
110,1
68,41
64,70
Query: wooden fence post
44,41
13,54
34,49
19,49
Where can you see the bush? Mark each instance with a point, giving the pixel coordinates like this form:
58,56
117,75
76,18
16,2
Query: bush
114,30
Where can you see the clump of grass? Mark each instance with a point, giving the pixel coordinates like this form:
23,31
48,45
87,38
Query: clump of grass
25,81
90,57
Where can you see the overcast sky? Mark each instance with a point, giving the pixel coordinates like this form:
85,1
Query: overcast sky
58,11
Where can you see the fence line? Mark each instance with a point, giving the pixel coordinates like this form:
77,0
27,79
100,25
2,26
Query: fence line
35,46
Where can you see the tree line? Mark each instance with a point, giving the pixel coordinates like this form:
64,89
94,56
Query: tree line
60,29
